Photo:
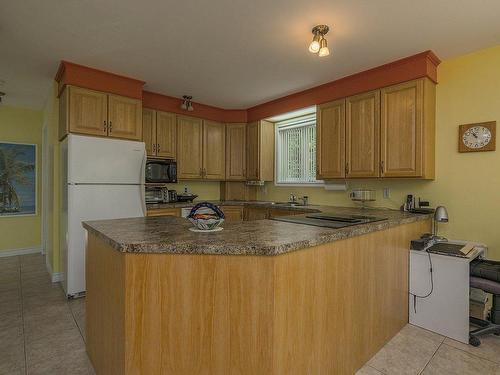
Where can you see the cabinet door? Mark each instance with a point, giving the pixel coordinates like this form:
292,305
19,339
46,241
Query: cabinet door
253,213
88,111
330,140
363,135
189,148
214,150
233,214
236,152
165,134
164,212
253,135
149,130
124,117
401,130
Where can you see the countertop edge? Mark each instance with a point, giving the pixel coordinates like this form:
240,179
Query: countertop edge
271,250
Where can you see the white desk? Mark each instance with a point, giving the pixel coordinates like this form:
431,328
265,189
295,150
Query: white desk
446,310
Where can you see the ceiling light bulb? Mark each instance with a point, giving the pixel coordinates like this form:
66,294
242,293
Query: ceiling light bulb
323,51
314,46
190,107
184,106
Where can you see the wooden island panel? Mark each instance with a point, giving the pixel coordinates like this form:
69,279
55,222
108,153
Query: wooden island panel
320,310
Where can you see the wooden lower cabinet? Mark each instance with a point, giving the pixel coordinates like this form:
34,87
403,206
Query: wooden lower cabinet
233,214
164,212
326,309
261,213
255,213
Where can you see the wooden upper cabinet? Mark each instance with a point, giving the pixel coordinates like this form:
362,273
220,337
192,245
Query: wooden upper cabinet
189,148
97,113
87,111
363,135
214,150
253,151
236,151
166,125
330,140
149,130
407,129
124,117
260,151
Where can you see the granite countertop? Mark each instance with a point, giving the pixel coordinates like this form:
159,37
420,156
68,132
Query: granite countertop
169,234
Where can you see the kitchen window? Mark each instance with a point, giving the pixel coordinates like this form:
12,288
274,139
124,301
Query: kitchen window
296,151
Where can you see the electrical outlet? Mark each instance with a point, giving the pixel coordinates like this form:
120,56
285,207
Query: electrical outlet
387,193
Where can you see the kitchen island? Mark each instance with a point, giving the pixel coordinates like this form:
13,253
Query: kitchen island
259,297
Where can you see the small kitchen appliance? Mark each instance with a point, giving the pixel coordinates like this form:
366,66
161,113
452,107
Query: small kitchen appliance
157,194
161,171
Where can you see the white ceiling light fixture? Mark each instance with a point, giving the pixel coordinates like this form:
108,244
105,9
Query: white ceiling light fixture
187,105
319,44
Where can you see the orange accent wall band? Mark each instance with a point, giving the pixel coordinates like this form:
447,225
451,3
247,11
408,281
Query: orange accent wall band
99,80
167,103
417,66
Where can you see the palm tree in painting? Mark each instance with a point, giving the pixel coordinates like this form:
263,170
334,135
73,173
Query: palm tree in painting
12,171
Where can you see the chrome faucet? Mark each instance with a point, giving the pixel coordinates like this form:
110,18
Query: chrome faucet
305,200
293,198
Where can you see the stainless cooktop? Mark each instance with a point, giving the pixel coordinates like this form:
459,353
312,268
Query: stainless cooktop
330,220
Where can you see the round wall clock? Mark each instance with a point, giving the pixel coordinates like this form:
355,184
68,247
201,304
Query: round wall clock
477,137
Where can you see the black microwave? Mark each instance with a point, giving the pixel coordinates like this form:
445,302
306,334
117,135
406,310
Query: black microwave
161,171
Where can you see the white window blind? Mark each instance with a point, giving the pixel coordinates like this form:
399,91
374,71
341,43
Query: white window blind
296,150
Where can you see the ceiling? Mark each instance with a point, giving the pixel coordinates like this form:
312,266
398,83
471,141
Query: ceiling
228,53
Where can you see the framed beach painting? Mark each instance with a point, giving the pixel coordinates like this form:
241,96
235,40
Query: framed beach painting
17,179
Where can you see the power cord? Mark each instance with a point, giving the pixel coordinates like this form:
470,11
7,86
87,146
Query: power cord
415,296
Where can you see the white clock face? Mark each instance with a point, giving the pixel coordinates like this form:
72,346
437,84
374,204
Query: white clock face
476,137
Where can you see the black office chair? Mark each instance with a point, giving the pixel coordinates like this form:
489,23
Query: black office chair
485,275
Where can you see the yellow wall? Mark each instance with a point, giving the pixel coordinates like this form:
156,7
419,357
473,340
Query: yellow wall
25,126
51,117
467,184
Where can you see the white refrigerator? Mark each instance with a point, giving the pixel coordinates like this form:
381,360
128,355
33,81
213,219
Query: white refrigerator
101,178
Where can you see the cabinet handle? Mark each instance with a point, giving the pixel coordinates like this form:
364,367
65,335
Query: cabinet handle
346,169
381,167
154,147
110,126
201,172
158,147
104,128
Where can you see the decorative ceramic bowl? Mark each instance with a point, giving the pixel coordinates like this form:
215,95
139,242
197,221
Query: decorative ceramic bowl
206,216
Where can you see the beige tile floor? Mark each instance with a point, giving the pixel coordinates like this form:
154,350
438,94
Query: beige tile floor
43,333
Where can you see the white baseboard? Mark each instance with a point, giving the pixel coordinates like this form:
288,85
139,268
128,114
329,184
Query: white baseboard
57,277
16,252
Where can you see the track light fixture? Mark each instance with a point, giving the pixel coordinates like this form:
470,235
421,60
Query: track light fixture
319,44
187,104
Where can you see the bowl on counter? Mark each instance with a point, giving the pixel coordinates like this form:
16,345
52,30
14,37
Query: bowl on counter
206,217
